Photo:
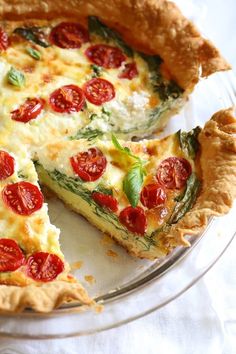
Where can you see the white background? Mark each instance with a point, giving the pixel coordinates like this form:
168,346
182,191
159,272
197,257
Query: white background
203,320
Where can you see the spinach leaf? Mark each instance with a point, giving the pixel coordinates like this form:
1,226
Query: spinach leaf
97,70
188,141
35,54
33,34
186,200
15,77
97,27
87,133
101,189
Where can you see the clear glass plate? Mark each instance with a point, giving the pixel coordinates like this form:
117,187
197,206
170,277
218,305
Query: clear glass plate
130,288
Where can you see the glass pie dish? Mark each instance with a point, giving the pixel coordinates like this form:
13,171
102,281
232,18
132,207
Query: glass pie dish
127,287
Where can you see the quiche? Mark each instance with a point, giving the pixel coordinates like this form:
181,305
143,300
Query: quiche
74,92
33,270
147,195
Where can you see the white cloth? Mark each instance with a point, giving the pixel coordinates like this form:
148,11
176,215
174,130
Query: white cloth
203,320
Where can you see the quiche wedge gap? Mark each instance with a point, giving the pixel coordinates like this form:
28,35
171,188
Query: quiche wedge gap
143,82
147,195
33,271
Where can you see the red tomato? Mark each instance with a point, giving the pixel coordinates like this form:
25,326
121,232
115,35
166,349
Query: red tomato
30,109
173,172
105,200
130,71
89,165
43,266
134,219
99,91
105,55
153,195
7,165
11,256
67,99
3,39
68,35
23,198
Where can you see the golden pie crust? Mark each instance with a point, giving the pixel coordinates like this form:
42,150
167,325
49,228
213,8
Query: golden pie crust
158,27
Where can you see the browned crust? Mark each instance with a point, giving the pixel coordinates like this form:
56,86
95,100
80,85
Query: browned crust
43,298
161,27
218,164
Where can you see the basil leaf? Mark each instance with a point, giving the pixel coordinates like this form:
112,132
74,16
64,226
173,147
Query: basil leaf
35,54
97,27
15,77
132,184
189,142
186,200
125,150
34,34
97,70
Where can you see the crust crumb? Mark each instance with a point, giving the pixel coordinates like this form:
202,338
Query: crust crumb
90,279
111,253
76,265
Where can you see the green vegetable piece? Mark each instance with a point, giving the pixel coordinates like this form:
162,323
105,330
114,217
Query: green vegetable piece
97,27
97,70
101,189
15,77
133,182
189,142
88,133
35,54
186,200
34,34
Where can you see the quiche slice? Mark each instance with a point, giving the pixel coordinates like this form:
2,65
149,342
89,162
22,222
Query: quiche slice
33,271
147,195
97,72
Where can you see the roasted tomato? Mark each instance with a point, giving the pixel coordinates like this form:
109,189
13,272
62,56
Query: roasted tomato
89,165
44,266
11,256
134,219
30,109
67,99
129,72
7,165
69,35
153,195
105,55
173,172
3,39
23,198
99,91
105,200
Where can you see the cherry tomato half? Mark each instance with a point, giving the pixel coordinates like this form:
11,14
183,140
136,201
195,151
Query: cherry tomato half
105,200
67,99
89,165
44,266
3,39
30,109
134,219
173,172
153,195
105,55
7,165
99,91
130,71
11,256
23,198
68,35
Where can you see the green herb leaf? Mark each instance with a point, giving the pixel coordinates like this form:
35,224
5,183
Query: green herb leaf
133,182
125,149
189,142
87,133
97,27
35,54
186,200
34,34
15,77
97,70
106,111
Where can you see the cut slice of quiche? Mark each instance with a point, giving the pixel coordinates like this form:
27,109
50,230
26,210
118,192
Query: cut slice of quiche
147,195
33,271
